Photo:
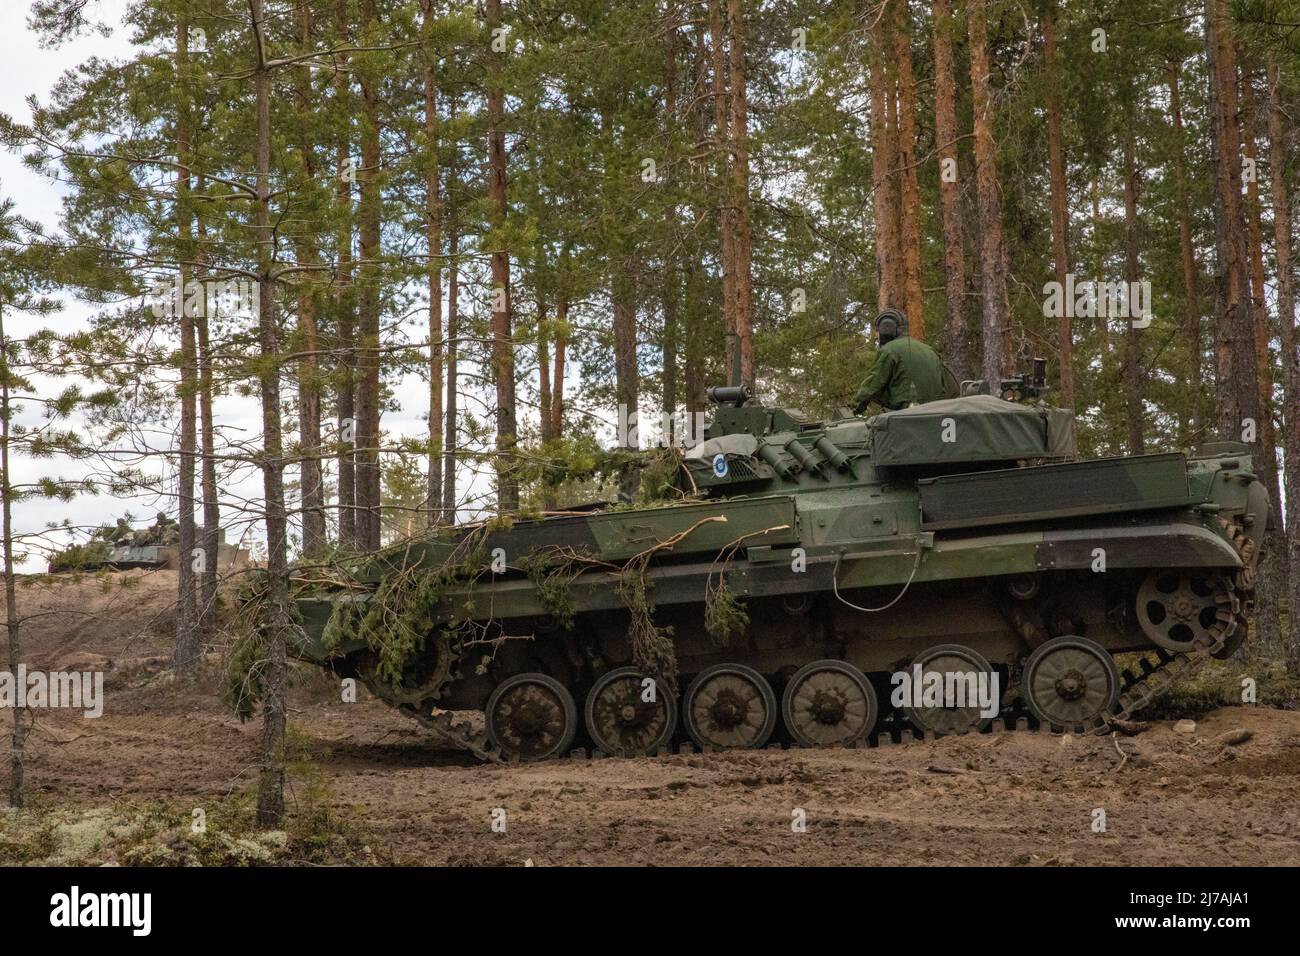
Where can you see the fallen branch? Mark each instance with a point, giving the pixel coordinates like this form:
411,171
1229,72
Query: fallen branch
1119,750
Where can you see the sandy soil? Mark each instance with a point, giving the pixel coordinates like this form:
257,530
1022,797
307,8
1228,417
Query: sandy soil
1013,798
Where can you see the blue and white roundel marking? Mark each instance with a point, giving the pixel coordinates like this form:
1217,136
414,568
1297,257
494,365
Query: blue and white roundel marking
720,465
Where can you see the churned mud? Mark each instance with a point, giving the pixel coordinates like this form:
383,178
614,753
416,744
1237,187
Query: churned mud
1168,798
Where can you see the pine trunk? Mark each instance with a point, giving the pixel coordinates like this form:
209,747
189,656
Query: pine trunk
1255,245
1190,423
433,229
1279,142
696,306
368,478
744,239
909,187
956,333
453,353
270,795
1133,411
345,404
724,158
1237,408
669,296
627,381
309,418
557,372
1060,206
993,280
1236,388
1273,569
883,162
310,472
544,417
17,744
208,579
503,349
187,631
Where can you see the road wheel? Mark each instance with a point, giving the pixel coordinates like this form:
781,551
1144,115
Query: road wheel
532,717
960,662
622,722
729,707
829,703
1071,682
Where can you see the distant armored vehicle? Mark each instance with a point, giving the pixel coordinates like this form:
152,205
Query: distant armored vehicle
806,567
121,548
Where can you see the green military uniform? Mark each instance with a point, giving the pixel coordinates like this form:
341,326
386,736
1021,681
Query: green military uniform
906,372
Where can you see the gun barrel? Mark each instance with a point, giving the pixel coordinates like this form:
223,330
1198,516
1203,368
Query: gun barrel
729,394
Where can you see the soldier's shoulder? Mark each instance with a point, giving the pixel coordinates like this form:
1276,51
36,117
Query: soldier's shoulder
905,343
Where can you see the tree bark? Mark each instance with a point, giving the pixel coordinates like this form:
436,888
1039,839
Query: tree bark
187,631
744,239
544,417
1273,562
557,372
1133,268
722,150
17,748
309,417
669,304
1236,390
345,405
669,298
310,474
503,349
622,293
885,199
993,280
1190,420
270,795
1237,405
1278,144
696,305
1255,245
368,476
208,580
433,228
627,379
1110,380
1060,205
909,186
956,334
453,351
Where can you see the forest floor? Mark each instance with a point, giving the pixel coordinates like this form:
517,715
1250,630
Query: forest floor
369,786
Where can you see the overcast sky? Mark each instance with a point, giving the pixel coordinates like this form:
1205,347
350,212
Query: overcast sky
28,70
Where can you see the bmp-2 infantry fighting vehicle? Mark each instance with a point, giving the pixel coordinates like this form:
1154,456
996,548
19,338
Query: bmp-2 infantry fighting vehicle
806,565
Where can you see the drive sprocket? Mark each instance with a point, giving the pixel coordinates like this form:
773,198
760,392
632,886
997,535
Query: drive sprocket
425,677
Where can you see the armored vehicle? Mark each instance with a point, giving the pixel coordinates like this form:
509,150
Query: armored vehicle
122,548
808,571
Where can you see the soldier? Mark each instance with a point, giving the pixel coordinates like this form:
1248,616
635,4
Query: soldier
906,372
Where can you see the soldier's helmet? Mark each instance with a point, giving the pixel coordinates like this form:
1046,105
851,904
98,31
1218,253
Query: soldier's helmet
889,325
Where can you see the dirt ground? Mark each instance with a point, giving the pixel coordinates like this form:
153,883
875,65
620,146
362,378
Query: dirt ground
1005,799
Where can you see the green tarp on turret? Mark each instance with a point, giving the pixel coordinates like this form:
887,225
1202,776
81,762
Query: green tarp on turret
977,428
